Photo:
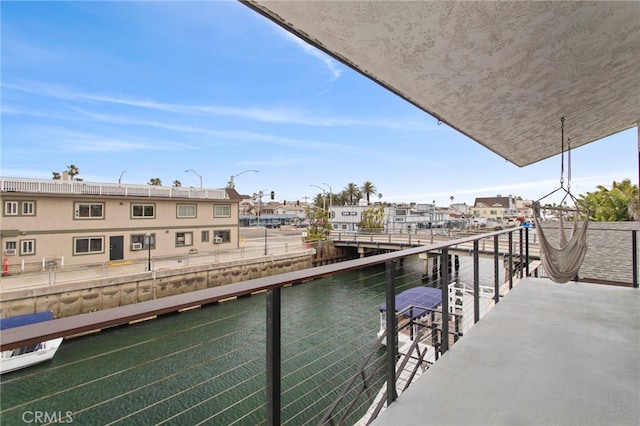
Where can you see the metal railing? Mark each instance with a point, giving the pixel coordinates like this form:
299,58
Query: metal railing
41,186
349,398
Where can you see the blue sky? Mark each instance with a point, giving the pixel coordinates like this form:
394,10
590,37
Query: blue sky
157,88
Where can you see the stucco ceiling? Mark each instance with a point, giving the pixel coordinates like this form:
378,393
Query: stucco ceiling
502,73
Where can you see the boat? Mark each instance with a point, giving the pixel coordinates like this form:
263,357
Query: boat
412,304
26,356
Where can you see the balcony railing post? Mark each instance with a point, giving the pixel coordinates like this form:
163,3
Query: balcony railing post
634,262
496,270
526,255
520,257
444,275
392,330
476,282
274,328
510,260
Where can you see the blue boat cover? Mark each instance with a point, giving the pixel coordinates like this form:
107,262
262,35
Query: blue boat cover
420,297
20,320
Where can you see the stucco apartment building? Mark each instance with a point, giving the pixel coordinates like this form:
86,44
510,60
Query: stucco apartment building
86,222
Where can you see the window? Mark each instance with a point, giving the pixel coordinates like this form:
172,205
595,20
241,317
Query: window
204,236
88,245
186,210
89,210
28,208
222,236
11,208
184,239
143,210
222,210
401,212
27,247
142,240
10,247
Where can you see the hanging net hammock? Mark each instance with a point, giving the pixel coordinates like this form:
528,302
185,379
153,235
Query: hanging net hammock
561,262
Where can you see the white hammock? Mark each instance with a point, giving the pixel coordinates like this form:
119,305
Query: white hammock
562,263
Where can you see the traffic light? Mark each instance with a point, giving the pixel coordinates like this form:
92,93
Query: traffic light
285,202
298,203
273,195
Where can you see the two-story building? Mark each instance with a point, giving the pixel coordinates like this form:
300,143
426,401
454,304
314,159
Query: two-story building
86,222
495,208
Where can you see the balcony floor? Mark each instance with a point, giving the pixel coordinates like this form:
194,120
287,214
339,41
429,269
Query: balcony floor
557,354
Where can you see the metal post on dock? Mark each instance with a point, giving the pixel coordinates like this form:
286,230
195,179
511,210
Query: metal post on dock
521,258
634,261
526,255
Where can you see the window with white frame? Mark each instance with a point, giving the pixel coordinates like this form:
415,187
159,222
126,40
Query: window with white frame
28,208
184,239
222,210
89,210
143,210
186,210
11,208
88,245
27,247
223,236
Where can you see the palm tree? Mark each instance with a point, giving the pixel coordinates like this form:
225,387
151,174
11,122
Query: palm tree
155,182
177,184
352,191
620,203
368,189
73,171
56,176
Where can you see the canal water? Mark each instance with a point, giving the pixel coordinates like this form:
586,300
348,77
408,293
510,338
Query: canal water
207,365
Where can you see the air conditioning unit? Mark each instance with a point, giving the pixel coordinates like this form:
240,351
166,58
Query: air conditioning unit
217,240
136,246
10,252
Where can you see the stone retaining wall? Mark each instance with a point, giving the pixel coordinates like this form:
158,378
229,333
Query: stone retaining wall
80,297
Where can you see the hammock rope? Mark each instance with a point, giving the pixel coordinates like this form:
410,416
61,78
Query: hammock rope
562,262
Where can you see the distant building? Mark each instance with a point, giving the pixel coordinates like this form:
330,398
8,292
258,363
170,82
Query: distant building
84,222
400,218
497,208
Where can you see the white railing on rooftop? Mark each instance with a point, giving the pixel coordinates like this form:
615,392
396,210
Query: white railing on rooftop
42,186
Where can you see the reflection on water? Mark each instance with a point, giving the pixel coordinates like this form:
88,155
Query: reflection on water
207,366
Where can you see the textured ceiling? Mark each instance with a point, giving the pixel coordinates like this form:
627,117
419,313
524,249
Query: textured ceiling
502,73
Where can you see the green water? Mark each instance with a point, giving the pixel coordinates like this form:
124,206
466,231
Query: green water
207,366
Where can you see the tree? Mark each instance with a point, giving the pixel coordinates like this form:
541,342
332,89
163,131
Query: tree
73,171
177,184
352,191
319,224
620,203
56,176
372,219
155,182
368,189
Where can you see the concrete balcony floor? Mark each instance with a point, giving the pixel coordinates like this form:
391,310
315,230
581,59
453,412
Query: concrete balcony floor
555,354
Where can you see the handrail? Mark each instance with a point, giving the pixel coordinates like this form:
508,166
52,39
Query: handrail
33,334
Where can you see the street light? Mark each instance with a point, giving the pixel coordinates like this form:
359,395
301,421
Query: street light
120,178
330,195
191,170
324,197
230,184
148,238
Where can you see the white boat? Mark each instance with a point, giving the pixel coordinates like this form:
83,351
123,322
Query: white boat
26,356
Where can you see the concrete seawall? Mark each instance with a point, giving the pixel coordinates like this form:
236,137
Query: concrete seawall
74,298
